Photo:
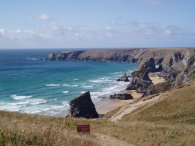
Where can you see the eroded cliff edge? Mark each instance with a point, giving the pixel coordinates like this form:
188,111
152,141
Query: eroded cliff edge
175,65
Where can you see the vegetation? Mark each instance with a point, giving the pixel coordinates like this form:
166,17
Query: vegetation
168,122
22,129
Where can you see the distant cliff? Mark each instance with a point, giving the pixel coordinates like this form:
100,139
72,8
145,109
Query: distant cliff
176,65
125,55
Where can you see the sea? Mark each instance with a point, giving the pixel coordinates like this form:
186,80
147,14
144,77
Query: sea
34,86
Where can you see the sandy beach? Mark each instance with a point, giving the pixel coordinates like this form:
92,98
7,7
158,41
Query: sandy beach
106,105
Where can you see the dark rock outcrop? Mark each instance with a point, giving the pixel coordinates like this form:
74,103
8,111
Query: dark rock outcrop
123,78
83,106
159,68
149,65
123,96
140,81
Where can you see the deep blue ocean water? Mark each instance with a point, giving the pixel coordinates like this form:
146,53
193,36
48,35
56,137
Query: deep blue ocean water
30,85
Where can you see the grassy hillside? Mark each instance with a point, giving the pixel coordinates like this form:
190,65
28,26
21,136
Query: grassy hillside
168,122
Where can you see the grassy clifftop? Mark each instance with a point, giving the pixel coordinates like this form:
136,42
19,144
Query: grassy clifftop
168,122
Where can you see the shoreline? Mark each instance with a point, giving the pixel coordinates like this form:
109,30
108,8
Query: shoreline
105,106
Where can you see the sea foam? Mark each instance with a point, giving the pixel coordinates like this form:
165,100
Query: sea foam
65,92
69,85
16,97
53,85
34,59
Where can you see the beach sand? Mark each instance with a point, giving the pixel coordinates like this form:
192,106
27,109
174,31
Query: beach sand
156,79
106,105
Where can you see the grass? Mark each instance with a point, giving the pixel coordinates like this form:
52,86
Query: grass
22,129
170,122
178,106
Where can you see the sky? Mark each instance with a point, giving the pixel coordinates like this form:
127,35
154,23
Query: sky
97,23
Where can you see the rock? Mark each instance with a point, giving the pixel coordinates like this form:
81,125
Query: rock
123,96
142,74
161,87
140,81
83,106
149,65
141,90
123,78
182,79
160,68
51,56
176,65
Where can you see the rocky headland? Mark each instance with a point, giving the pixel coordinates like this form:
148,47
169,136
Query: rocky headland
176,66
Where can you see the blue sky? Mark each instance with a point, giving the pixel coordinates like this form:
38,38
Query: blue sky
96,23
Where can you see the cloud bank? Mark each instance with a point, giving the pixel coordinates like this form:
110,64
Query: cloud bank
115,33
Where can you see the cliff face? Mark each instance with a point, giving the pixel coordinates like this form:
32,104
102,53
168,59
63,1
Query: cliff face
176,65
100,55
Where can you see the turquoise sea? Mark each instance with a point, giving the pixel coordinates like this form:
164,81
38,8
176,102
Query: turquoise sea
31,85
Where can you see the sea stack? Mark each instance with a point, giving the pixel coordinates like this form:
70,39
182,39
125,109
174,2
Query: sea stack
83,106
123,78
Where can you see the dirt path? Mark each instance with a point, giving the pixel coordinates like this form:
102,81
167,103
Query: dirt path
102,140
105,140
133,106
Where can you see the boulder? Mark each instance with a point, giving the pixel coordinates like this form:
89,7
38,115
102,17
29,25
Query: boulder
123,96
83,106
123,78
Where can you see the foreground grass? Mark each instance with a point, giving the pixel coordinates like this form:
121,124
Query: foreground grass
22,129
169,122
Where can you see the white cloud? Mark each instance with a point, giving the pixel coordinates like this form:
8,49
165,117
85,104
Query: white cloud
43,16
138,33
2,30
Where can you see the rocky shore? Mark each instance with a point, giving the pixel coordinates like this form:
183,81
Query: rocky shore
176,66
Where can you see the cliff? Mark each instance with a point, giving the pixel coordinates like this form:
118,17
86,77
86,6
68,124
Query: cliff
175,65
167,57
